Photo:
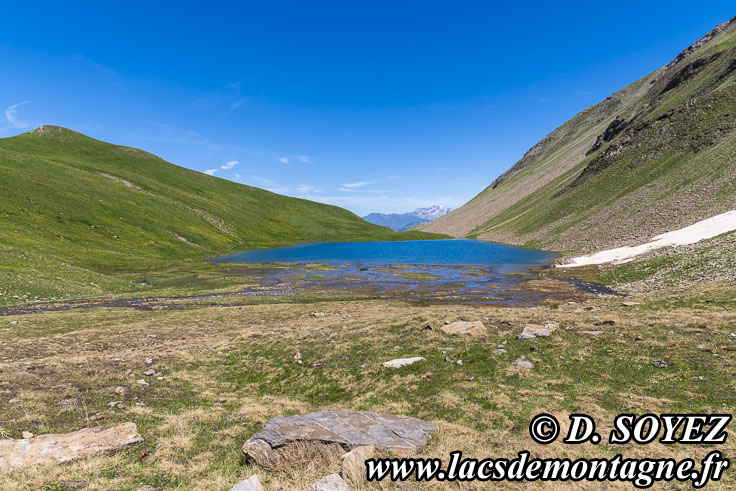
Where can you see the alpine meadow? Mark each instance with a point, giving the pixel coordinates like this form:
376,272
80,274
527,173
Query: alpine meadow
222,318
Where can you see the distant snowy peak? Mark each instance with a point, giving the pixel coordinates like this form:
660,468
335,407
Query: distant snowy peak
405,221
432,212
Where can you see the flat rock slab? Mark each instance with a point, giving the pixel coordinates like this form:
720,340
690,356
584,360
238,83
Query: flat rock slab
273,446
474,329
402,362
590,333
65,447
537,331
333,482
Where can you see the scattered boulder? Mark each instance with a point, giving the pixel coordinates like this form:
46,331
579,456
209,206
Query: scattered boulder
149,361
660,364
250,484
141,382
65,447
353,463
499,351
591,333
149,373
402,362
272,447
630,304
537,331
119,391
474,329
27,435
333,482
523,362
318,314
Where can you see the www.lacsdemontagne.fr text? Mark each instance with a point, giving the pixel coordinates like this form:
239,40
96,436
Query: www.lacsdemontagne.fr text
642,473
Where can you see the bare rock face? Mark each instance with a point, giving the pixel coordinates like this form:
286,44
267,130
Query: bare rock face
333,482
65,447
474,329
282,440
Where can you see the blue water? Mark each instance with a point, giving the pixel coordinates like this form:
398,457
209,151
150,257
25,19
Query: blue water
458,252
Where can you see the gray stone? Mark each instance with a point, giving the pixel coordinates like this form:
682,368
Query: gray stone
591,333
333,482
523,362
353,463
66,447
474,329
402,362
499,351
536,331
401,435
250,484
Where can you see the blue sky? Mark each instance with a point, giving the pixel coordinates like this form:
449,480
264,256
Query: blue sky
373,106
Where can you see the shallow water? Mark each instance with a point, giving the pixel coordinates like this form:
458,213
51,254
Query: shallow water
428,270
457,252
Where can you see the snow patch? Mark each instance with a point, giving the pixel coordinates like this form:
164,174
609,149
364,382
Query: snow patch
702,230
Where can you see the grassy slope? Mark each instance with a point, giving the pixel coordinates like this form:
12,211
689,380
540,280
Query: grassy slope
75,212
672,164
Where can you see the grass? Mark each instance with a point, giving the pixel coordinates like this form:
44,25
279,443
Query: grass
672,165
62,367
80,217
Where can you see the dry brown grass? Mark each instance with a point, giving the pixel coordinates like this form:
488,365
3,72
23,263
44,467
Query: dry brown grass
243,357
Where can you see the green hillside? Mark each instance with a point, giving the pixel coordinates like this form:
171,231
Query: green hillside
655,156
78,215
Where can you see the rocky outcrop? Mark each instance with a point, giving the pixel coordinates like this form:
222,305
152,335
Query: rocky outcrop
65,447
274,446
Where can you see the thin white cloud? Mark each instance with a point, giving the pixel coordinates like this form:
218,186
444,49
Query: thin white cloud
237,176
271,185
229,165
305,188
353,185
210,172
237,104
11,114
301,158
